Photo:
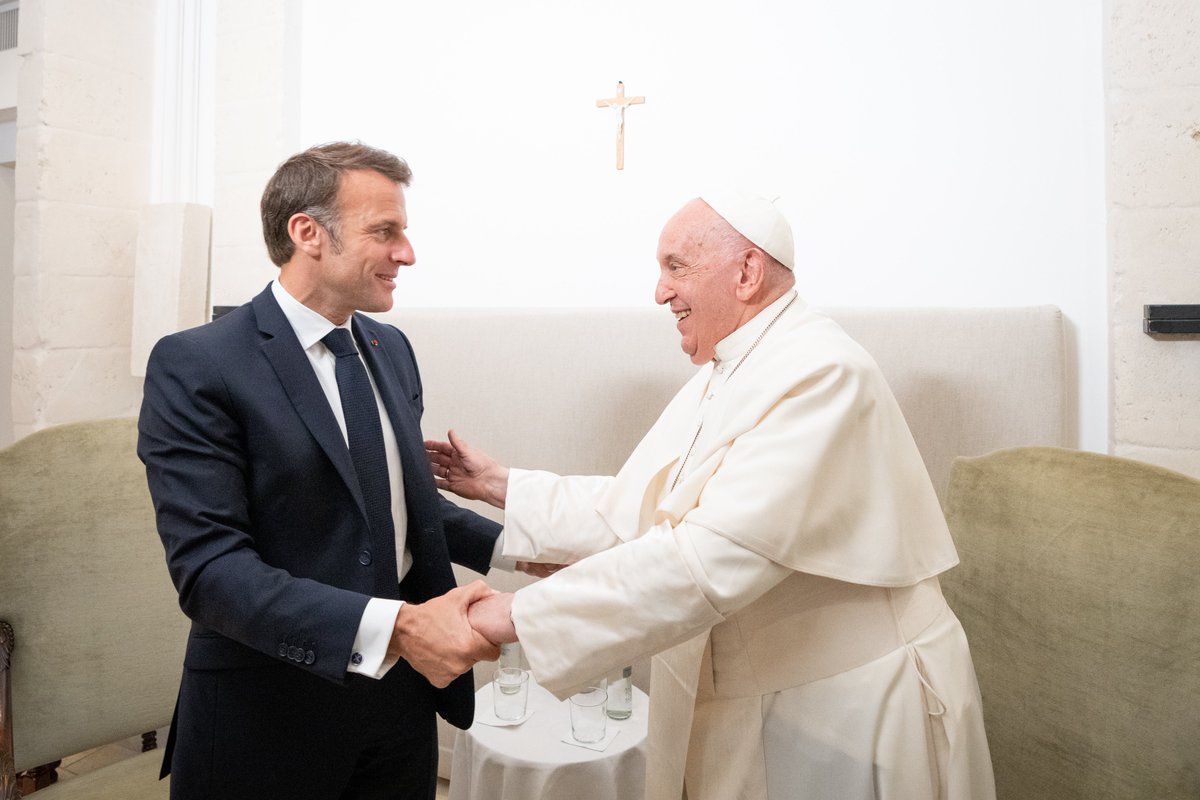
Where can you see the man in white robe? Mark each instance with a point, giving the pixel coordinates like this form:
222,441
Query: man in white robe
774,538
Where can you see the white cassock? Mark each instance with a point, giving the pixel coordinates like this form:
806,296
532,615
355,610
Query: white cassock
776,539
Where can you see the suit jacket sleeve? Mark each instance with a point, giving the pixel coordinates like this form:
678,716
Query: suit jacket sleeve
470,537
197,465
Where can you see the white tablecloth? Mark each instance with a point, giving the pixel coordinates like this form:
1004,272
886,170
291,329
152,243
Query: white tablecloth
531,762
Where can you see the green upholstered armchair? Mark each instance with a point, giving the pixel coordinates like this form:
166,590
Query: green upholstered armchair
1079,589
98,632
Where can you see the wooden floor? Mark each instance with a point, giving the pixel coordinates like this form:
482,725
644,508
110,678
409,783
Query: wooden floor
74,766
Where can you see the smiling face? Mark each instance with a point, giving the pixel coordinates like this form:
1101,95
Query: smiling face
356,271
699,272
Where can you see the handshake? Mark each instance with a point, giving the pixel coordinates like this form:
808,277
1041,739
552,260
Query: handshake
444,637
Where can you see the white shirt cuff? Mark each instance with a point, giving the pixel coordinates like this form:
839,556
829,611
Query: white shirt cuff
369,655
499,561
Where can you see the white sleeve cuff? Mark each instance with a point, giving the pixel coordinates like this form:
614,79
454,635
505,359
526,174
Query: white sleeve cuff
499,560
369,655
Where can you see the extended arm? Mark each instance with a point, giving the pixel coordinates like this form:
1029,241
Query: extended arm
199,472
240,540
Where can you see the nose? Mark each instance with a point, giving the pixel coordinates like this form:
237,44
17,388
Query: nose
663,291
403,253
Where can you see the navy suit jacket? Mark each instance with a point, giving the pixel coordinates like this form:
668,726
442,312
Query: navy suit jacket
258,505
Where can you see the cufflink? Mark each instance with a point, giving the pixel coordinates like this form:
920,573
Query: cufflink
355,659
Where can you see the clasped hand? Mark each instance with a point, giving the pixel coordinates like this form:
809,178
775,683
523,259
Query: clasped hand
444,637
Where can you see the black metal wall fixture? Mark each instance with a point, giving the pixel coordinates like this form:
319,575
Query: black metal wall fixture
1159,320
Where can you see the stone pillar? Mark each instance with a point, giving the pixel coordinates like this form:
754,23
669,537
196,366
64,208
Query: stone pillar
1152,83
83,141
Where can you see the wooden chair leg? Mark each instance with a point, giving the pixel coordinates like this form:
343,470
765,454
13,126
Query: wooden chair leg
39,777
10,787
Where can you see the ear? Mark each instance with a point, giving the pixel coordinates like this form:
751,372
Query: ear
306,234
752,275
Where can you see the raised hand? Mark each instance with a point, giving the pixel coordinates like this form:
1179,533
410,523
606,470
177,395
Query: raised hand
467,471
437,639
492,618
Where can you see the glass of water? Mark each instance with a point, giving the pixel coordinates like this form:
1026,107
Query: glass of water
588,718
510,692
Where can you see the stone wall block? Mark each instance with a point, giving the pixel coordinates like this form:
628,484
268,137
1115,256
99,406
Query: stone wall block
27,402
72,167
31,108
26,246
94,98
1184,461
1154,43
99,32
86,311
29,166
1154,394
60,312
53,387
1155,255
1154,147
72,239
31,30
27,332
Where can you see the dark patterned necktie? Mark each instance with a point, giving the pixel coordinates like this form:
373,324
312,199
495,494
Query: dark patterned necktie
365,435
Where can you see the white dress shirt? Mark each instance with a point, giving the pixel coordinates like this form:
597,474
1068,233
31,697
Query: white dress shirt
369,655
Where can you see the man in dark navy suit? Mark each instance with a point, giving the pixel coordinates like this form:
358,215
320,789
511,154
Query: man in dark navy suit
301,523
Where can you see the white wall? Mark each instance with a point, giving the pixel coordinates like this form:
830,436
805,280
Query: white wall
930,153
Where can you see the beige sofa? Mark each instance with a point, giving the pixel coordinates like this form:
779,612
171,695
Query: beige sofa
82,578
574,390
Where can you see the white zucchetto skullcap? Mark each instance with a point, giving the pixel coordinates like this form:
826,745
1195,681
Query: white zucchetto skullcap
758,220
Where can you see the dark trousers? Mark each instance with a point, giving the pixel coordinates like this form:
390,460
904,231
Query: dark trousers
279,732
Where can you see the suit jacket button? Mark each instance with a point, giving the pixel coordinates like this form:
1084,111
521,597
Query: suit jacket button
294,653
283,650
364,558
309,657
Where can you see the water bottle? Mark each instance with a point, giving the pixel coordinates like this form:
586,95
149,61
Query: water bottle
620,695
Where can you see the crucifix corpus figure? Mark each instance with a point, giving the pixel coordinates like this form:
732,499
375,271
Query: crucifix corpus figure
620,102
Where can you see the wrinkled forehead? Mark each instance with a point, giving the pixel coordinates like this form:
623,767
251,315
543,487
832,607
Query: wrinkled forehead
692,231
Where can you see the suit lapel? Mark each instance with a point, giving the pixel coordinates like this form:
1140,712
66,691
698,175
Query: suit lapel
418,479
295,373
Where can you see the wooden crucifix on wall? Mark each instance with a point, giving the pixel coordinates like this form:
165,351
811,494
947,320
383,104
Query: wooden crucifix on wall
620,102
